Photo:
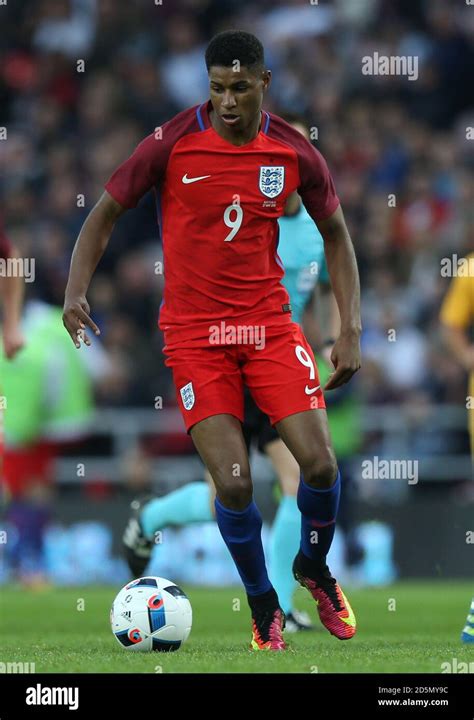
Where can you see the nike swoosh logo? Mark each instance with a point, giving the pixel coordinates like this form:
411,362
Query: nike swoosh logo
310,391
187,180
351,619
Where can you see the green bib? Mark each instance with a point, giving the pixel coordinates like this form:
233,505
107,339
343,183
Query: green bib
343,417
47,388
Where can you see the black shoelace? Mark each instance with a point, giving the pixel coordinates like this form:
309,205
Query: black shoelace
263,620
328,583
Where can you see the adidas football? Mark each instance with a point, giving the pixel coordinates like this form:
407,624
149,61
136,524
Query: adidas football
151,613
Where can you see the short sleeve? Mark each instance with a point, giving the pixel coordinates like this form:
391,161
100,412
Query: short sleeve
139,173
316,187
146,167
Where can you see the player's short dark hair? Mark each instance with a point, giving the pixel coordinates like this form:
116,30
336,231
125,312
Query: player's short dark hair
231,45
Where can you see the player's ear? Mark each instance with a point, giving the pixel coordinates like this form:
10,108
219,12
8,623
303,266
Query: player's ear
266,78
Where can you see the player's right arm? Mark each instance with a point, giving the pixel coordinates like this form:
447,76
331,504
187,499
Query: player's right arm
89,248
144,169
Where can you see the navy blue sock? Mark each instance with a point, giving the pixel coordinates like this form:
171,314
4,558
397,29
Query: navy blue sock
318,519
241,531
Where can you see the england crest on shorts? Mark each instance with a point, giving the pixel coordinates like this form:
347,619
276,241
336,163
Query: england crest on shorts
187,395
272,180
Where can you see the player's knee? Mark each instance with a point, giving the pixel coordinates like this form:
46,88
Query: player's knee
321,473
235,493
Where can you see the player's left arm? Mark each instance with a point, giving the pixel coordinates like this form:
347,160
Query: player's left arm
316,188
11,293
344,275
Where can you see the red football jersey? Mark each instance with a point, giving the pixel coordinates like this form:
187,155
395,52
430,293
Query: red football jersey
218,206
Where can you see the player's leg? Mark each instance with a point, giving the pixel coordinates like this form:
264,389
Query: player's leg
467,635
191,503
221,445
306,435
284,536
299,416
209,389
188,504
249,431
285,533
286,525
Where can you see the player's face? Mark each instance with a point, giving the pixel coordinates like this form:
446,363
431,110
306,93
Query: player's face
236,97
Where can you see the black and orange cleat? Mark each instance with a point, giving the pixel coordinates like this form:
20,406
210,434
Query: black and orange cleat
267,628
334,609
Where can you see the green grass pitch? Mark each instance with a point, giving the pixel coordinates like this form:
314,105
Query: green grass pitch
67,630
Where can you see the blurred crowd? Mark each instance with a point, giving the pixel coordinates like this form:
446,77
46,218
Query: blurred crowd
83,81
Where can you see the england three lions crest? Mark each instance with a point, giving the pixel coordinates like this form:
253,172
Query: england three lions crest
272,180
187,396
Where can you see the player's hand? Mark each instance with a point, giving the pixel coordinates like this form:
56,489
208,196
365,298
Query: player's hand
76,317
13,341
345,357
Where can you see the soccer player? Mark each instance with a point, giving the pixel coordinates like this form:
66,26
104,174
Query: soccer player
457,319
301,249
223,171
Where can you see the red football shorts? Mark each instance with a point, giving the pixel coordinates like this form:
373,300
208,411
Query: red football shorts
279,370
27,466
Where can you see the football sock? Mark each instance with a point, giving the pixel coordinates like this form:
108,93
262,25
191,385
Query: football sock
468,632
284,544
188,504
318,521
241,531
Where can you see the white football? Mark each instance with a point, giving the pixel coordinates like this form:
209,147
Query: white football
151,613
